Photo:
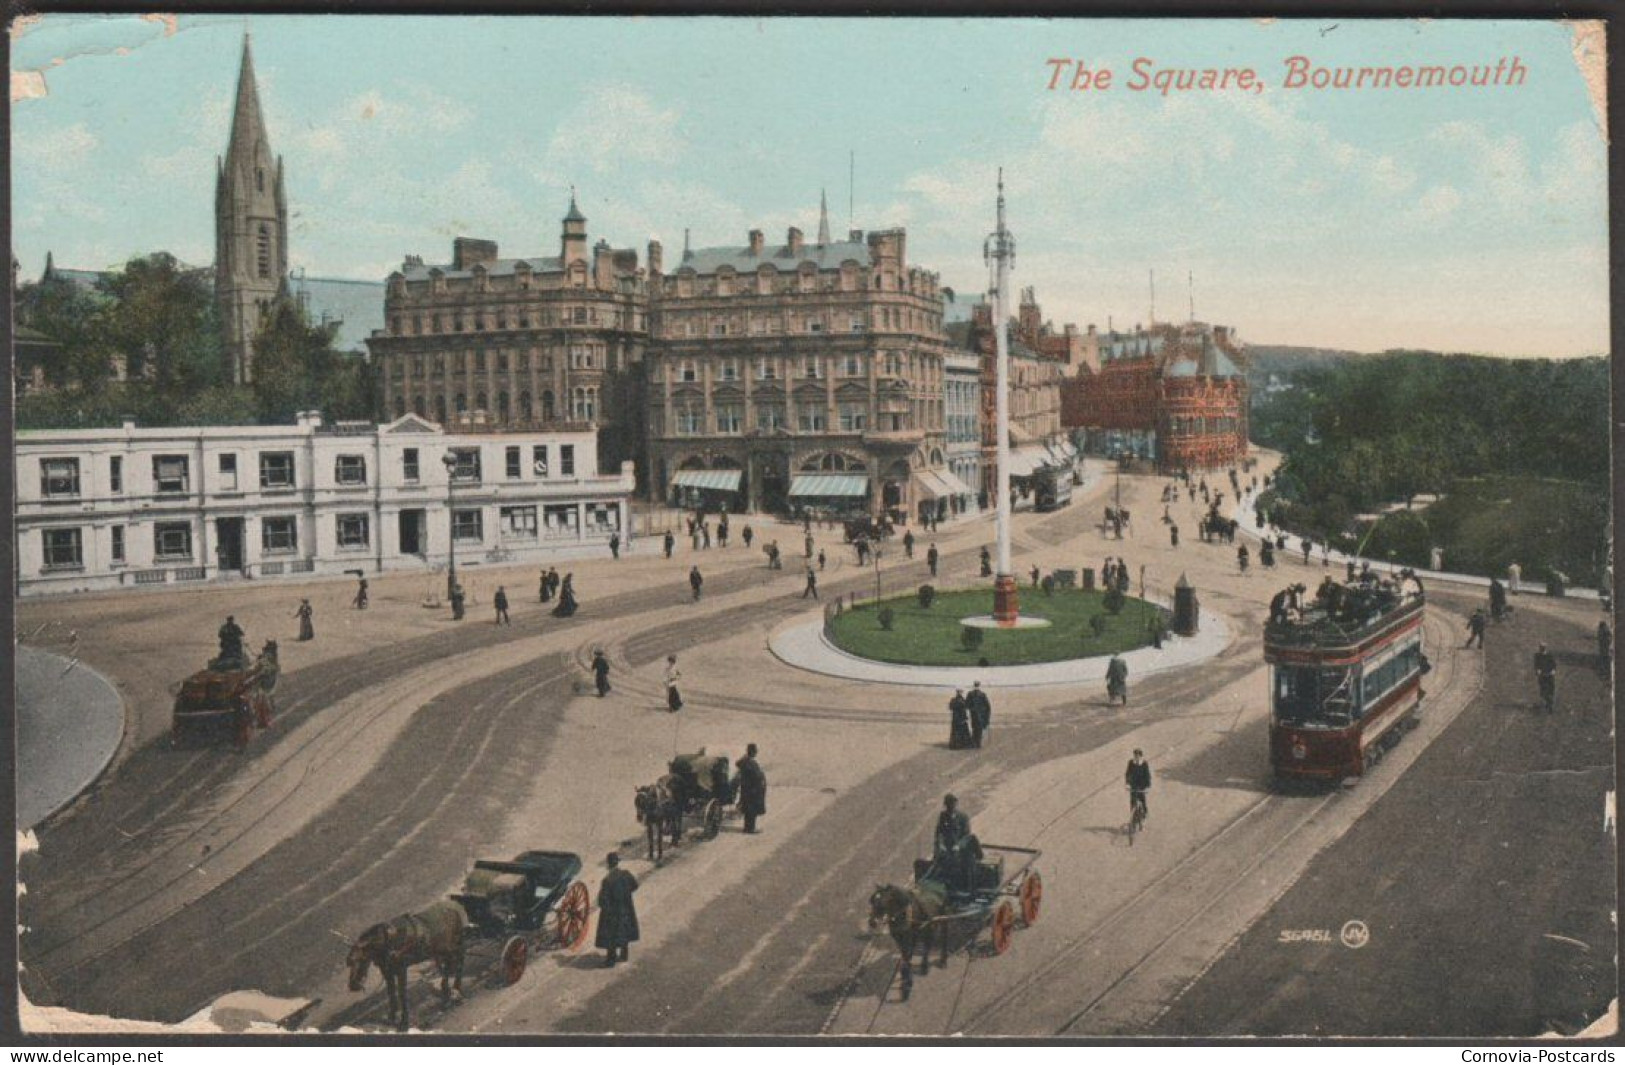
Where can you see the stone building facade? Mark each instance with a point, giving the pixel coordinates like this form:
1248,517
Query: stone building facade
806,375
520,343
963,403
1176,394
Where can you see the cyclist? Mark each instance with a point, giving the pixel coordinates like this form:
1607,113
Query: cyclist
1546,677
1137,778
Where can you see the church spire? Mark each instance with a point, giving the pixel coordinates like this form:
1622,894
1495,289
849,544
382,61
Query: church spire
247,123
823,218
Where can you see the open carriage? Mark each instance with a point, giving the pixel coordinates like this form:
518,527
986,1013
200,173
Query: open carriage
531,903
696,785
218,699
993,894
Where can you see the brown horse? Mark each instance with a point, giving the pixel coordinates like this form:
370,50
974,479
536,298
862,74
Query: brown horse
435,935
912,915
660,811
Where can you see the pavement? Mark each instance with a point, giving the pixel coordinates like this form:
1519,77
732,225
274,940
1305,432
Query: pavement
70,720
406,746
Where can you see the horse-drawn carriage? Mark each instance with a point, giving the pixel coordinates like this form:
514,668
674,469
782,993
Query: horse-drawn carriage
229,694
980,893
695,785
530,903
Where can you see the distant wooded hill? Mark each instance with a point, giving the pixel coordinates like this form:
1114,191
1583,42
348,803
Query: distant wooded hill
1285,360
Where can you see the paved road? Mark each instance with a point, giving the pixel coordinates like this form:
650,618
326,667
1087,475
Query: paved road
69,722
1484,876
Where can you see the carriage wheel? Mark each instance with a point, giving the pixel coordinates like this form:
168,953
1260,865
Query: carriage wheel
571,916
515,952
1032,896
1004,923
713,818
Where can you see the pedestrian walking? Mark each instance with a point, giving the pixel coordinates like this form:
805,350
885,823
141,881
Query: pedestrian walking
669,542
1475,628
457,602
600,672
307,631
987,563
695,581
544,588
908,544
1546,677
981,713
752,788
808,544
1035,576
500,601
821,560
774,559
1514,578
567,597
812,584
958,721
1241,557
1173,535
360,601
705,535
617,916
1117,680
931,557
747,534
614,545
674,699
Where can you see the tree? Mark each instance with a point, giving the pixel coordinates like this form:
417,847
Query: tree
163,320
296,368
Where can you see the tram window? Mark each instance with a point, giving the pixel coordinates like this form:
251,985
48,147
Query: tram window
1392,673
1313,698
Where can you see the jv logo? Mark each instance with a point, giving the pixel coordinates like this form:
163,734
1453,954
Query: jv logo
1355,935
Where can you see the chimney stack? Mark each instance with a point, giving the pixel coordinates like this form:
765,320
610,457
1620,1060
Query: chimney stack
756,242
655,257
794,241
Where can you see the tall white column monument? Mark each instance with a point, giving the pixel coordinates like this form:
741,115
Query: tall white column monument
1000,252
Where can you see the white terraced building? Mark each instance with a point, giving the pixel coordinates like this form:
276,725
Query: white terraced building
114,508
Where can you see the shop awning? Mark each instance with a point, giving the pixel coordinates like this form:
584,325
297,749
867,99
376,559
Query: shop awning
714,480
942,484
1025,461
829,485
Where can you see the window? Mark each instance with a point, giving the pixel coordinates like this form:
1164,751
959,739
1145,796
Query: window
279,536
59,478
479,361
118,543
64,549
228,473
811,418
688,371
767,370
809,368
567,460
730,419
353,531
172,540
512,462
467,467
582,357
409,465
690,419
585,403
115,474
719,329
169,473
815,325
561,520
854,416
263,251
730,370
350,469
769,418
603,517
851,366
894,364
538,460
519,523
468,526
857,323
276,470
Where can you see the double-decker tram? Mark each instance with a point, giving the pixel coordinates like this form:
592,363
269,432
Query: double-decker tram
1346,673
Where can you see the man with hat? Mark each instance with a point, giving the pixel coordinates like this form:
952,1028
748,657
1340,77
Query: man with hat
617,916
752,788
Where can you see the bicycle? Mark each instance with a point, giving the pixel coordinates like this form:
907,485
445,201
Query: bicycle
1136,818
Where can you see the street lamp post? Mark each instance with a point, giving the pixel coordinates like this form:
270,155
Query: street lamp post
450,461
877,571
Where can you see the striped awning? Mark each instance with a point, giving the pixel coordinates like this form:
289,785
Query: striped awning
829,485
942,484
715,480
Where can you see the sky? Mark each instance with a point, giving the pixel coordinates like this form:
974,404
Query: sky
1455,219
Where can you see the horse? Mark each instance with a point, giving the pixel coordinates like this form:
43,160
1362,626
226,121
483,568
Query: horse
660,811
913,916
435,934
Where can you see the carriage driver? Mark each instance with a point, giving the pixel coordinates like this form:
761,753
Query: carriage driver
955,850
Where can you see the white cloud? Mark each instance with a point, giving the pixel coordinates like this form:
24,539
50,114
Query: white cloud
1438,202
56,150
614,124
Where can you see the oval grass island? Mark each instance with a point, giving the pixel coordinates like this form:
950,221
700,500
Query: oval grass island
934,635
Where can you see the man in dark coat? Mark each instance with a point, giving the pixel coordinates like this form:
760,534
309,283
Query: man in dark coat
1173,535
981,713
615,545
1475,629
953,843
1545,676
669,542
812,584
232,655
987,563
600,672
908,544
931,557
958,722
457,602
747,534
695,581
1137,778
617,916
752,788
500,601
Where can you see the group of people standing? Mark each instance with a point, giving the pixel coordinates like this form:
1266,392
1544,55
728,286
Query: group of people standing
970,717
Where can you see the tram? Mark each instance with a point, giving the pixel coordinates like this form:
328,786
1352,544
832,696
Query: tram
1052,488
1345,678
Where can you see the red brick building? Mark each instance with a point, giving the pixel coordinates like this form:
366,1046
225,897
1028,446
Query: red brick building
1173,393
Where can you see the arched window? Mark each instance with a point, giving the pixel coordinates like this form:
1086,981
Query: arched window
524,406
547,405
263,243
259,178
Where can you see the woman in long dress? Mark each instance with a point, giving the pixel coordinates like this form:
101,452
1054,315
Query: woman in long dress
307,631
567,598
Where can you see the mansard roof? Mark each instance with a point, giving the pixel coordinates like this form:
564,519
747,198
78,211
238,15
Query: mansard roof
494,268
741,259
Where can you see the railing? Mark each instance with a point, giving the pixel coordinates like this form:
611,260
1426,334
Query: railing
301,565
191,573
151,576
272,569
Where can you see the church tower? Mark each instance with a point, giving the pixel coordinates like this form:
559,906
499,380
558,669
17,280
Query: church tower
250,226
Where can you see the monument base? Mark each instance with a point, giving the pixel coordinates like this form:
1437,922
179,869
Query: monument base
1006,608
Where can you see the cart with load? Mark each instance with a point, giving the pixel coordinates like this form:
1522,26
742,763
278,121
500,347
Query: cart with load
530,903
994,893
229,694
